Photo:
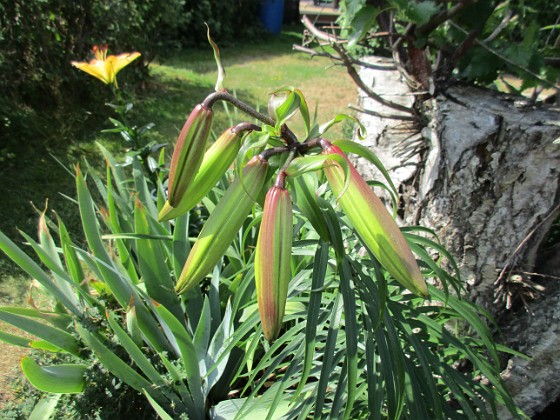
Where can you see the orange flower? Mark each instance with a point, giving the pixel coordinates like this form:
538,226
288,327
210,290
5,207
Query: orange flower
104,67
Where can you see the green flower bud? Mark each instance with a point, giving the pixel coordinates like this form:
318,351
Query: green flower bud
188,153
272,260
217,159
374,224
223,224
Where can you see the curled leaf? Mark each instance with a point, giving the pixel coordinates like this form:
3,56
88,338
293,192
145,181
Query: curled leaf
338,119
221,71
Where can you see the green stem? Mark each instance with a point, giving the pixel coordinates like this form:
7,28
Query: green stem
226,96
280,181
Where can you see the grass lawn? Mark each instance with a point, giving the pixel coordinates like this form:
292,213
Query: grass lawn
31,174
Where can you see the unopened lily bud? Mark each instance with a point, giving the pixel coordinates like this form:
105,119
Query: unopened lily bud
217,159
223,224
188,152
373,223
272,260
276,99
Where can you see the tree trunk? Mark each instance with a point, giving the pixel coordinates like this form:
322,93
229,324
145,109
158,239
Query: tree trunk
483,172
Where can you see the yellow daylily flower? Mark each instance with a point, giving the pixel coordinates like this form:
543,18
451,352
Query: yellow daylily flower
104,67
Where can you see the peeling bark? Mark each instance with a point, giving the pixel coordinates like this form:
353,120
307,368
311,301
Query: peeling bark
484,174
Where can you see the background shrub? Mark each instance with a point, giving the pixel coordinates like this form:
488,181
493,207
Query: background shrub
38,39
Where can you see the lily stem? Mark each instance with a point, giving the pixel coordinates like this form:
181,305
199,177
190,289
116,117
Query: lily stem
228,97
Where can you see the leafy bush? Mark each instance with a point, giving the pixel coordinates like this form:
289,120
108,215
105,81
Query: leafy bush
39,38
329,331
473,40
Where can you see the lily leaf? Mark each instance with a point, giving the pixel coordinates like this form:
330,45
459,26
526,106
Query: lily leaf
353,147
338,119
61,379
302,165
44,409
221,71
55,336
288,108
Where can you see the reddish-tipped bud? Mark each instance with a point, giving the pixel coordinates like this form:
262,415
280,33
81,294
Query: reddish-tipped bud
188,153
223,224
272,260
217,159
374,224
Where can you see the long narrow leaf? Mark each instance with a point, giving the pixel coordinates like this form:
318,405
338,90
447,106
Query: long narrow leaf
328,354
352,334
154,270
318,279
33,269
44,409
61,379
55,336
189,357
117,366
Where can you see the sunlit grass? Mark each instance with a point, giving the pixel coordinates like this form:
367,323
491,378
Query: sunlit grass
254,70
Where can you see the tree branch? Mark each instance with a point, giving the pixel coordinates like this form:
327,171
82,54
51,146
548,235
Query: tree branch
314,53
349,64
317,33
379,115
361,84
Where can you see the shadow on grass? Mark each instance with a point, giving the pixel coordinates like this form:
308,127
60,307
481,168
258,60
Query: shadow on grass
202,61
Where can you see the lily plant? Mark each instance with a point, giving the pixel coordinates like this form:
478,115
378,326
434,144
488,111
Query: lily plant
265,279
105,67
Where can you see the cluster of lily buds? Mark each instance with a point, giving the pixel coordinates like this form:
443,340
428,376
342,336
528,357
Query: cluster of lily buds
373,223
194,172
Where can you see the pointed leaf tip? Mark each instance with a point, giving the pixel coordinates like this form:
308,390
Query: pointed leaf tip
221,71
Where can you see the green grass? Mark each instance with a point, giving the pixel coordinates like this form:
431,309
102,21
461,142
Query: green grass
30,174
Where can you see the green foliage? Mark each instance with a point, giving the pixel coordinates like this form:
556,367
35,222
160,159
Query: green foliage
475,41
104,397
353,341
39,38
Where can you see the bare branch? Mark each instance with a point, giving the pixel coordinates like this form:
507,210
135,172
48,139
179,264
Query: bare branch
407,32
500,27
379,115
325,54
361,84
349,64
317,33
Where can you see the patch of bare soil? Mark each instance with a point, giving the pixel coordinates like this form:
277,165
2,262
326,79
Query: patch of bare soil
9,365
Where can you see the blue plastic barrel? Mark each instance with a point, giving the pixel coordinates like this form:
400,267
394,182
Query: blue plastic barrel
271,14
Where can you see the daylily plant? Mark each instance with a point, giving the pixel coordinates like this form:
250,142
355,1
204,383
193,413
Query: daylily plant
105,67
